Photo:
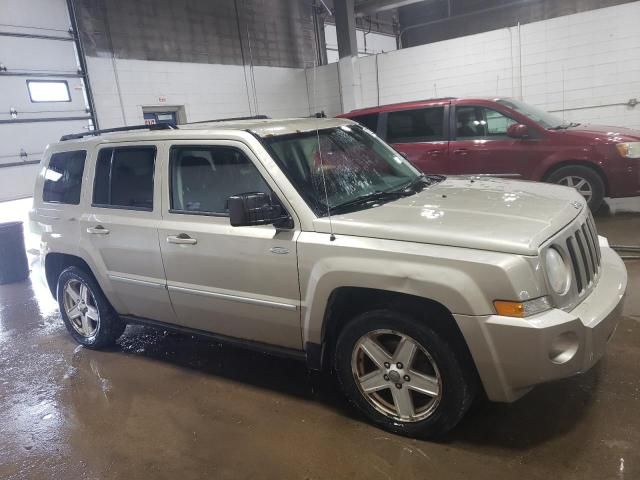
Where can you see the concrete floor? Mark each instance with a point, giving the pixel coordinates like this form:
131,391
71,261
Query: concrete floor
170,406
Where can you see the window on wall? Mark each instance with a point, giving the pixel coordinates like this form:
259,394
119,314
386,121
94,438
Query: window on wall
124,178
203,178
480,122
419,125
63,177
48,91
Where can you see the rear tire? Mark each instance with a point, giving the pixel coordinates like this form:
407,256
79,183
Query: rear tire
586,180
422,390
86,312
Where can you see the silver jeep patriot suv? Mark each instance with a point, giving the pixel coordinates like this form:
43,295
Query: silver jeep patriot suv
314,239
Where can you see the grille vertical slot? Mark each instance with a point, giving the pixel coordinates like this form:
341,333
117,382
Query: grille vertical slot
588,268
591,248
577,273
594,235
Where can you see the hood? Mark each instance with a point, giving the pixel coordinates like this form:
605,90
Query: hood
472,212
603,133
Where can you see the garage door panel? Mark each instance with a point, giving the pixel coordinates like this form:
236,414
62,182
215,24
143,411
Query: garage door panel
50,14
37,54
15,94
37,46
18,182
32,138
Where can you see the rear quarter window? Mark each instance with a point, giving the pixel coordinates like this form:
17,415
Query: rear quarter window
63,177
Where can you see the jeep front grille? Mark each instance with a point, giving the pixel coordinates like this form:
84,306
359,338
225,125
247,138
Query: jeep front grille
584,252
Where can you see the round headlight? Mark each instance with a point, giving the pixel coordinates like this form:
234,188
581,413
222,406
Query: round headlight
557,271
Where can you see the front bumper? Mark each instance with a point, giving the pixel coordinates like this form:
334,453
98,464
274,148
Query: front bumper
512,354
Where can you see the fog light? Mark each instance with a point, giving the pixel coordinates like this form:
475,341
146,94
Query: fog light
564,347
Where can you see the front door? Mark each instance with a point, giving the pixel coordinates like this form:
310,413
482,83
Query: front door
480,144
236,281
420,134
119,230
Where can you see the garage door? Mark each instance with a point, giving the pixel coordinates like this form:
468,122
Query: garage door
42,93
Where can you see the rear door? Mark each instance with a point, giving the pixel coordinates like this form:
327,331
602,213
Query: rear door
236,281
119,229
421,134
480,144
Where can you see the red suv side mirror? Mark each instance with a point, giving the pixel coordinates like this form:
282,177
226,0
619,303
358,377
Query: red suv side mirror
518,130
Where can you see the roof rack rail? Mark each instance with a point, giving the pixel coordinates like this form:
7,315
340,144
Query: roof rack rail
231,119
156,126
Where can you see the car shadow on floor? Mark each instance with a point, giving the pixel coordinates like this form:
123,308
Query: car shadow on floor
548,411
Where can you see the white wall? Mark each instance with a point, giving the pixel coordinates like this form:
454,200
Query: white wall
206,91
323,85
567,63
571,62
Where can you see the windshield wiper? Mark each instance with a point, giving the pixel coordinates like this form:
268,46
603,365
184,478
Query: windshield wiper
408,187
560,127
574,124
365,198
422,179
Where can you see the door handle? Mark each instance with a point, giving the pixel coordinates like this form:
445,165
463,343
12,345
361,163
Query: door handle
461,151
98,230
435,153
181,239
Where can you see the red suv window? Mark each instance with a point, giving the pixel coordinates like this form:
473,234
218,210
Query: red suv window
419,125
481,122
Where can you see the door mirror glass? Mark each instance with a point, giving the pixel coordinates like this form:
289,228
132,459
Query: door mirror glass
256,208
518,130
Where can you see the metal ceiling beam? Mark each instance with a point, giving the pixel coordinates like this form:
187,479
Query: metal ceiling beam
369,7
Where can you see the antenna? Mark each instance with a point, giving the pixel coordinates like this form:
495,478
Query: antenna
332,237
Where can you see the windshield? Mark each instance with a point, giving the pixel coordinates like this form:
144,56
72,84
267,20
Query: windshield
538,115
355,164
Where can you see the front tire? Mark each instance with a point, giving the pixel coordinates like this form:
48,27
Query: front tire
585,180
86,312
402,375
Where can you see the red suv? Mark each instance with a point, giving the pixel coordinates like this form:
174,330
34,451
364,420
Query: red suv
504,137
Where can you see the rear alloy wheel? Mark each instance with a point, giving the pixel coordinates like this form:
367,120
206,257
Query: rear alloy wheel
87,314
585,180
81,308
402,375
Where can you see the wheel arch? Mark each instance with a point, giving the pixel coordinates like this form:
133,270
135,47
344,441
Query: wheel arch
578,163
346,302
55,263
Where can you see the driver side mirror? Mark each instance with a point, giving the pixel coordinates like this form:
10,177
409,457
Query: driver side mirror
256,208
518,130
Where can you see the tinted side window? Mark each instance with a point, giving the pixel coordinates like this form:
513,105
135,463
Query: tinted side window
63,178
203,178
420,125
480,122
124,178
370,121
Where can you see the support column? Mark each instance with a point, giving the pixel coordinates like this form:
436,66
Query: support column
346,28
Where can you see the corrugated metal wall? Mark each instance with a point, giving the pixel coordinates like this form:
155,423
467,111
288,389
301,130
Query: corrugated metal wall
265,32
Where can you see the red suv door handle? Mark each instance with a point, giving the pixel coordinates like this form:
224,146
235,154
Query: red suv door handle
435,153
461,151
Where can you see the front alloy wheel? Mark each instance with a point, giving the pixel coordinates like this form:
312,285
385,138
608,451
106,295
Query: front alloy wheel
396,375
582,185
403,374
